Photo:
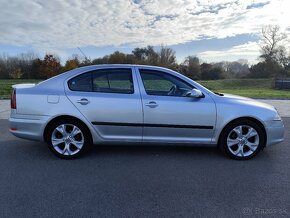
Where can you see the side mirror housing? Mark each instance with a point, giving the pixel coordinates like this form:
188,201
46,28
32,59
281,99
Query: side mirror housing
195,93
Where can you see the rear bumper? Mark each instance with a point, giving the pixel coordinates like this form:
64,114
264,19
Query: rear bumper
28,127
275,132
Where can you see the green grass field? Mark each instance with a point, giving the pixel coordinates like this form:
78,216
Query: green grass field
5,86
255,88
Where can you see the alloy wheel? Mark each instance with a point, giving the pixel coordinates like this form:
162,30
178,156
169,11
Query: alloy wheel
67,139
243,140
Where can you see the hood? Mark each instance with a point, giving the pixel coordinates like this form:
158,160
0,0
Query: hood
248,101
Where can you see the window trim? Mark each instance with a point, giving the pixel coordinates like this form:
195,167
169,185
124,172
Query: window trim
92,85
162,72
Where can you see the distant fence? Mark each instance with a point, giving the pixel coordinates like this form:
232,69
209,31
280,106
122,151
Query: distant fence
282,84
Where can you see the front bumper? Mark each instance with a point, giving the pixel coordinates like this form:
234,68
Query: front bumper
28,126
275,132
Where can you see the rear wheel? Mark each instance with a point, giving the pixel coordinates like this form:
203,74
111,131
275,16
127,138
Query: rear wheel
242,139
68,139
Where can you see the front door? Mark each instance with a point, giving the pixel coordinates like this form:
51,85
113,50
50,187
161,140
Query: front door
170,115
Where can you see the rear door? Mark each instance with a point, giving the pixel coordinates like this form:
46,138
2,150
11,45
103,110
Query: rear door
110,100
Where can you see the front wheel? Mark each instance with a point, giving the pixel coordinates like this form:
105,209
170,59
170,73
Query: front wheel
242,139
68,139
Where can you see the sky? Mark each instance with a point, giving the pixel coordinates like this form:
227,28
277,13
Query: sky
213,30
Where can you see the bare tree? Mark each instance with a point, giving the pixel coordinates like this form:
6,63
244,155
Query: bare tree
272,38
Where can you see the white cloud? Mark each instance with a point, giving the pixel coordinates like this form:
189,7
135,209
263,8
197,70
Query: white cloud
58,24
249,51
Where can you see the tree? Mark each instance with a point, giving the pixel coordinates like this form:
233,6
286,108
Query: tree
167,57
117,58
146,55
272,38
50,66
265,69
16,74
35,69
210,72
192,67
3,66
25,62
71,64
282,57
273,53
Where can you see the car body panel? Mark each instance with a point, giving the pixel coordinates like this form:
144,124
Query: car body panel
183,119
112,113
175,120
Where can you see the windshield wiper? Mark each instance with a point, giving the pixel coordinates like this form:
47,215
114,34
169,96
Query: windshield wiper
217,93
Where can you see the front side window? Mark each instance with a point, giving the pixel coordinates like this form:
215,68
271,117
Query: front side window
163,84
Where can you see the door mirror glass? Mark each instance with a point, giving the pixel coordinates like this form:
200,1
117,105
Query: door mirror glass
195,93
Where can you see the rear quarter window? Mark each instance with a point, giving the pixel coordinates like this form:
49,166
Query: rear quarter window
81,83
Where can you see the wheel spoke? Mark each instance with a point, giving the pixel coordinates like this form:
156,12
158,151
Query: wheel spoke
239,151
62,130
232,142
252,146
238,130
67,149
78,144
252,132
75,131
56,141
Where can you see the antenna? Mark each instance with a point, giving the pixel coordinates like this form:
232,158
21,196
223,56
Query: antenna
82,53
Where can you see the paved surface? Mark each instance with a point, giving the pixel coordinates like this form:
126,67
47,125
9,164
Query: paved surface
283,106
142,182
4,109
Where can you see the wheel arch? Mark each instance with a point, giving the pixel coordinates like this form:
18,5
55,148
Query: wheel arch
258,122
62,117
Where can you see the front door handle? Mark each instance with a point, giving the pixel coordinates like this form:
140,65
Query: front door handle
83,101
151,104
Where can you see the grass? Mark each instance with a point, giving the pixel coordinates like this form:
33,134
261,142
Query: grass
255,88
5,86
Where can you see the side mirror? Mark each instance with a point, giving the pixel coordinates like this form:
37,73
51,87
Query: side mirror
195,93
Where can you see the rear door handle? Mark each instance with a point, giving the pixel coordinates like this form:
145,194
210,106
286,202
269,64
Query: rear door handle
151,104
83,101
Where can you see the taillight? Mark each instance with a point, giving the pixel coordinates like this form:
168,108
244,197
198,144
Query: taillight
13,99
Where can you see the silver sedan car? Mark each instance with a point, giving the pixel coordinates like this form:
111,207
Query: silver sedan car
135,104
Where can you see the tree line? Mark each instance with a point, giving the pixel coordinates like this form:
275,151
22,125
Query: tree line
274,62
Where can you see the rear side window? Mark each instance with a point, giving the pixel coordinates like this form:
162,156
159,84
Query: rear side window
113,81
104,80
82,83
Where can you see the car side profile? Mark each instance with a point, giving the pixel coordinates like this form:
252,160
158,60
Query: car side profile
132,104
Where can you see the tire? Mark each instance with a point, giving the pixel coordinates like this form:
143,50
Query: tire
68,138
242,139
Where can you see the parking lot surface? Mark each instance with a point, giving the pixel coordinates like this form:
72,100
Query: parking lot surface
140,181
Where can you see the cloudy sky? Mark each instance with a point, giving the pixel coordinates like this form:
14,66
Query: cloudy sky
214,30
